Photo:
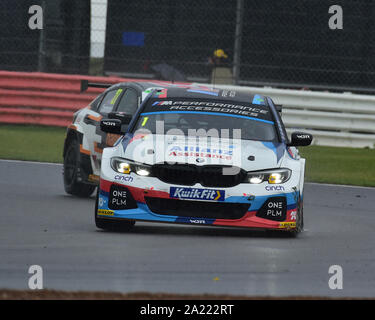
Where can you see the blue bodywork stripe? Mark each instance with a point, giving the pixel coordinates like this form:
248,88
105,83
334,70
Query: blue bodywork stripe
277,148
211,93
211,113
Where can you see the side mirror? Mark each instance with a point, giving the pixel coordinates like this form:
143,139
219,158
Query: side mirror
300,139
123,117
279,108
111,126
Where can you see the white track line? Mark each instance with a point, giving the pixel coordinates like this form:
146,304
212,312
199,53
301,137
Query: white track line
31,162
313,183
339,185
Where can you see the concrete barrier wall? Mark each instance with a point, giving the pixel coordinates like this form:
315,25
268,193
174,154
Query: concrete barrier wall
335,119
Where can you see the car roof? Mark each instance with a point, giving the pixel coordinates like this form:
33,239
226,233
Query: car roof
144,85
183,90
215,94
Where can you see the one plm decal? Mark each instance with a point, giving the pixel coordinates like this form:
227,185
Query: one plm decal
197,194
120,198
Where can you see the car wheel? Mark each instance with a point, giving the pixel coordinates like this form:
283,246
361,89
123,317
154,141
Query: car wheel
71,169
111,225
299,222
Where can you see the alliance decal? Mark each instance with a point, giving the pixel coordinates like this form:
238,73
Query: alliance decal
196,151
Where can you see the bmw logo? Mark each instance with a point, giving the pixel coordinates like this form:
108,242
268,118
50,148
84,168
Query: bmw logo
199,160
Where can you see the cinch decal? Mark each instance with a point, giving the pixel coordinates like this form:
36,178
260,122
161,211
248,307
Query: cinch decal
274,188
124,178
197,194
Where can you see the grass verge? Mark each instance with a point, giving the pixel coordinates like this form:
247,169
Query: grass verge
323,164
34,143
335,165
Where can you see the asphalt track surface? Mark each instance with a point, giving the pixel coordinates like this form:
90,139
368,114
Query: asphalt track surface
40,224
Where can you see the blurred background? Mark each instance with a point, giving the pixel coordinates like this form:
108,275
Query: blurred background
280,43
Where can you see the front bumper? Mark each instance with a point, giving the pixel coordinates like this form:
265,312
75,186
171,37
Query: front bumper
259,209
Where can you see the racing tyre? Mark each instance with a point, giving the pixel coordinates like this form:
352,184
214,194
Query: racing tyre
299,222
71,168
111,225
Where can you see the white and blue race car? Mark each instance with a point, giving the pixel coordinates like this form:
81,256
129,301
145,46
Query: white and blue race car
207,157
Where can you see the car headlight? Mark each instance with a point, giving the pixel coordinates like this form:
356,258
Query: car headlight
126,166
271,176
143,170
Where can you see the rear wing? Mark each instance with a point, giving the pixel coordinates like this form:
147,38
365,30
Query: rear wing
85,84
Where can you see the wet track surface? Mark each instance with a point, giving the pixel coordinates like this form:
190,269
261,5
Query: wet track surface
42,225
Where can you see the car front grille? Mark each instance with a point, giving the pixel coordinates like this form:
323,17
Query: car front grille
190,174
197,209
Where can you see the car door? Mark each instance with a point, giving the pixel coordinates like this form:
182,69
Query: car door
96,139
128,103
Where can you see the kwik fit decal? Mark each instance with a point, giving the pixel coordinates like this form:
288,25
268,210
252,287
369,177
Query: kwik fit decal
197,194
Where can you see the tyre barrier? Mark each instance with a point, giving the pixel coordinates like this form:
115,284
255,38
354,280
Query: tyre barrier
44,98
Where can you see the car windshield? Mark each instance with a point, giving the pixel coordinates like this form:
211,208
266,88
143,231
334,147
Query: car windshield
254,121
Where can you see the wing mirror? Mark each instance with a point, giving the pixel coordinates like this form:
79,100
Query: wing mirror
300,139
111,126
123,117
117,123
